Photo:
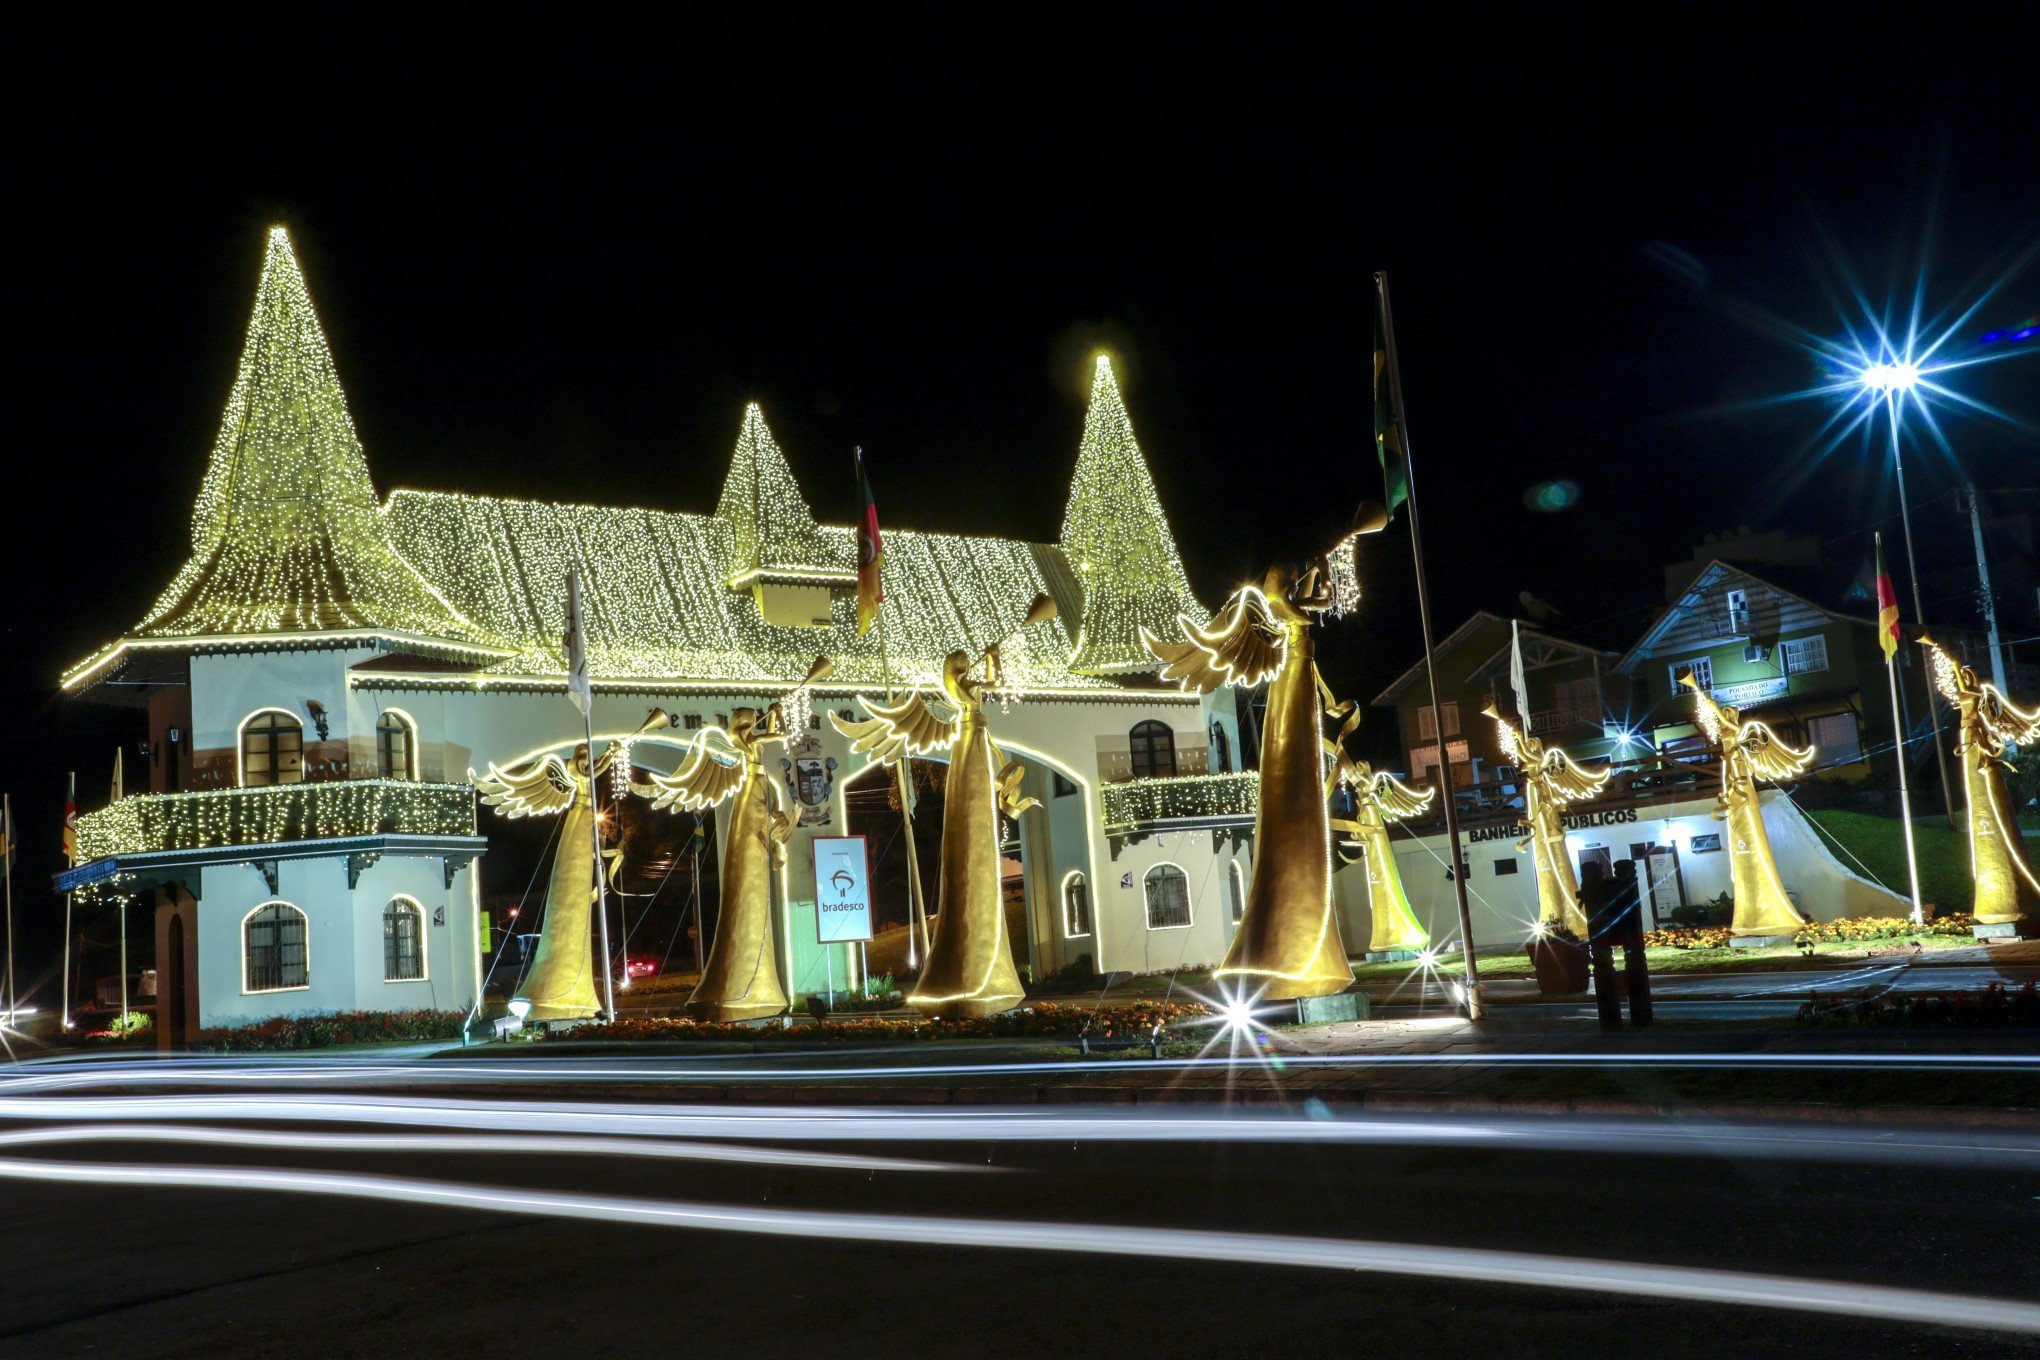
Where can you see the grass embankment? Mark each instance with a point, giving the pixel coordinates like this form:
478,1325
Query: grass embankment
1879,842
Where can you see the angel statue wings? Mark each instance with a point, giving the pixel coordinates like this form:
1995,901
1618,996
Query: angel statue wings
970,969
1288,943
741,979
561,982
1988,722
1381,799
1552,781
1750,751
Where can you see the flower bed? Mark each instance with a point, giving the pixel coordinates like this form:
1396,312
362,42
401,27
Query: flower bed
339,1027
1991,1007
1043,1019
1848,930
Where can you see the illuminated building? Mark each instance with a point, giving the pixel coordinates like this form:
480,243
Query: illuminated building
326,669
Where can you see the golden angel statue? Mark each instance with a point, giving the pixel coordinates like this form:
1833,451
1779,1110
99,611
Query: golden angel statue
1382,799
1552,781
1750,751
741,979
2006,889
560,984
969,971
1288,943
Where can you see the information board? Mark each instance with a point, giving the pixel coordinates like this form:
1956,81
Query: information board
842,889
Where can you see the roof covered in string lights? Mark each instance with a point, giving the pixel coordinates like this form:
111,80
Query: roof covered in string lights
290,548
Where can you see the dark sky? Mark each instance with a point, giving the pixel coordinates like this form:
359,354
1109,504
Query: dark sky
555,253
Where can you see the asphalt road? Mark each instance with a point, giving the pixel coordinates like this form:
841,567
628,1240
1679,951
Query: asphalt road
625,1243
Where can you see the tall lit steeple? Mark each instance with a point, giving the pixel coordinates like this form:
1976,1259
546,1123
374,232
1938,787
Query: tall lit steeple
774,531
1117,540
286,536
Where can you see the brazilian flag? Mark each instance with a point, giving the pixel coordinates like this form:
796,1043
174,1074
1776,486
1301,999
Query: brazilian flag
1388,433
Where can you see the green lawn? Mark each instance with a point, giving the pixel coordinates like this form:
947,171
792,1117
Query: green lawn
1880,843
1670,960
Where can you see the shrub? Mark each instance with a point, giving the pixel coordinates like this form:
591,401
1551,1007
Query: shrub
324,1030
1991,1007
1042,1019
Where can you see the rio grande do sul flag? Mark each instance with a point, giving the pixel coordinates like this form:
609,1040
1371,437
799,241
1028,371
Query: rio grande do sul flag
870,552
1887,606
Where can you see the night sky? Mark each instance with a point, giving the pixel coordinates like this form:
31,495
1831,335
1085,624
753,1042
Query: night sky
555,255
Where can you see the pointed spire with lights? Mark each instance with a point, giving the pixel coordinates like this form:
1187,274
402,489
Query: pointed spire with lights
1117,540
774,531
286,536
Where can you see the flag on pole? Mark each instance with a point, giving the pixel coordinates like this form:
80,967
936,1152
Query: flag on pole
870,553
1388,436
1887,606
70,827
1517,680
579,689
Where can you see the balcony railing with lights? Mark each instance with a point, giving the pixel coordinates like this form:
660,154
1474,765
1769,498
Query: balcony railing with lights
1188,801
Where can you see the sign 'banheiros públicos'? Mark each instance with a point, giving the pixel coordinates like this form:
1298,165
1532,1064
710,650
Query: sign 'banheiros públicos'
842,889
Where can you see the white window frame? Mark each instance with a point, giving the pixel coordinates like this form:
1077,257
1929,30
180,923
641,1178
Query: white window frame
1427,724
247,959
1703,671
1147,897
241,748
1076,877
410,726
1815,646
417,909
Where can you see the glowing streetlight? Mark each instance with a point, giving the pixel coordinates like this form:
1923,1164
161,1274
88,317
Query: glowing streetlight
1894,380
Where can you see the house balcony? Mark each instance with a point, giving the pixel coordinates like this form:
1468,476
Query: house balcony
149,838
1566,718
1184,803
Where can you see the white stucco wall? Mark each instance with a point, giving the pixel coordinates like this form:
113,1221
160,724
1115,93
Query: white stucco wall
1504,906
343,935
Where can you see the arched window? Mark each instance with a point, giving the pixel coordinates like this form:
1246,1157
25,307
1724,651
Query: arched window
403,941
1168,898
1236,890
272,749
1076,905
396,745
273,955
1154,750
1221,749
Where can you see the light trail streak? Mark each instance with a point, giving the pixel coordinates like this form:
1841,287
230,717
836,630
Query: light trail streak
528,1144
1455,1264
1157,1126
64,1074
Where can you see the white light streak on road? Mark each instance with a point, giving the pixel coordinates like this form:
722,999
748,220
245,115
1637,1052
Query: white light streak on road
1455,1264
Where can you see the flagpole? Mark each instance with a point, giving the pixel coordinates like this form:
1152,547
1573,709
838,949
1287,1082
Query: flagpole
1473,1006
1912,863
71,854
7,814
577,633
917,909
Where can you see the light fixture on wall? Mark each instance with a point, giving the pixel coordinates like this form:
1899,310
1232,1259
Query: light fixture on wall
318,712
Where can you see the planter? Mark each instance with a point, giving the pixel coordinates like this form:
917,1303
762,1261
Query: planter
1562,965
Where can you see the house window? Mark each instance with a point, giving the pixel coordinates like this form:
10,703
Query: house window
1739,613
1059,787
272,749
1504,866
1168,898
396,746
403,941
1703,671
1839,738
1803,656
1153,749
273,949
1427,721
1076,906
1236,891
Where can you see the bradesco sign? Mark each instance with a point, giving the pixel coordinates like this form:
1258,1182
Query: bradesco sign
842,889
